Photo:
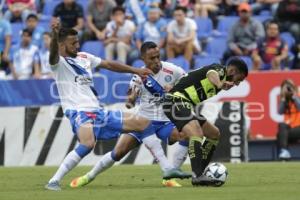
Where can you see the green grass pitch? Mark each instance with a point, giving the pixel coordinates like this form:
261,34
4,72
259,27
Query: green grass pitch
253,181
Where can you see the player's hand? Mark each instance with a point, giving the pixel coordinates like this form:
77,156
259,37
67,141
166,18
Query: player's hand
55,25
227,85
144,72
167,88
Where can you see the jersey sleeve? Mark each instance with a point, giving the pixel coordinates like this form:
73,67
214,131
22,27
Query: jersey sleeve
95,61
136,84
178,73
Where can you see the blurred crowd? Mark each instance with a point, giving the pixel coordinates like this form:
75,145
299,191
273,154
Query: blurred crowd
190,33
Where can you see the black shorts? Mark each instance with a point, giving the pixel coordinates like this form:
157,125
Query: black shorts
181,111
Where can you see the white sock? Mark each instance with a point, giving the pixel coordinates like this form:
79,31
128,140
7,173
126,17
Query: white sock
70,161
179,156
154,146
103,164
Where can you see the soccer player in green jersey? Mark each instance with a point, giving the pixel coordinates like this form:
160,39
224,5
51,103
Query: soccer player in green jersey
181,107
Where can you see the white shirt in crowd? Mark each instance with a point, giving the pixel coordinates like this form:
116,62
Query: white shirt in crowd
184,30
24,59
127,29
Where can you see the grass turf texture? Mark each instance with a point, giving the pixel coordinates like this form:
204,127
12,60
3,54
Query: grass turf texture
253,181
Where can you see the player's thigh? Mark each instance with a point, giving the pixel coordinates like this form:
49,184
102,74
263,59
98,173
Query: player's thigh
192,128
177,136
125,144
178,111
132,122
86,135
210,130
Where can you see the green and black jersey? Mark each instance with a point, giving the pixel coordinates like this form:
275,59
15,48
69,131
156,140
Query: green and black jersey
196,87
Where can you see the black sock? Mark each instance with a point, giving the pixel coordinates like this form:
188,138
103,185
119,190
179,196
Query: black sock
195,154
208,149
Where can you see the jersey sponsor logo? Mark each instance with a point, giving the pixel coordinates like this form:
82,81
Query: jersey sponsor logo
83,80
168,78
167,71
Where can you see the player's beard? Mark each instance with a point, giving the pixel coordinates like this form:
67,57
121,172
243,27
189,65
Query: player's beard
71,54
229,78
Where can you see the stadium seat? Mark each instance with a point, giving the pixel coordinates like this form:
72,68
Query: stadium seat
262,18
49,7
225,24
248,61
16,32
204,27
216,47
94,47
204,61
288,38
138,63
84,4
45,24
168,20
265,13
181,62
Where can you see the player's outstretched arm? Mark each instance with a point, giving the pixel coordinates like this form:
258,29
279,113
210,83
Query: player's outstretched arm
54,50
119,67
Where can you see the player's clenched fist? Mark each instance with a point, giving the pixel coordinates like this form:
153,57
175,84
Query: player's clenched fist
55,25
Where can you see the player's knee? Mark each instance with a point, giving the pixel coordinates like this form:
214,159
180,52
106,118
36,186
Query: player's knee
83,150
117,154
216,135
90,143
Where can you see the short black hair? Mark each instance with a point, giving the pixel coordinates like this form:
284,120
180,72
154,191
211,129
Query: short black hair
65,32
26,30
33,16
184,9
118,8
239,64
268,23
147,45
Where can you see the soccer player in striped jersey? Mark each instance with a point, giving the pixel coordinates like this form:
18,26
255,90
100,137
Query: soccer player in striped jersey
90,122
165,76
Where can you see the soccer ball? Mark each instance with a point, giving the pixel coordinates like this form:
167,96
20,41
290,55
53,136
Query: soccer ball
216,171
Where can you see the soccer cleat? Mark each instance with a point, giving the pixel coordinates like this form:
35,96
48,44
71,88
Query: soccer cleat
80,181
204,181
284,154
185,174
171,183
54,186
175,173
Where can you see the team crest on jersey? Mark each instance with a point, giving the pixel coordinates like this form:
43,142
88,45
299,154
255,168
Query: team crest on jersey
168,78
